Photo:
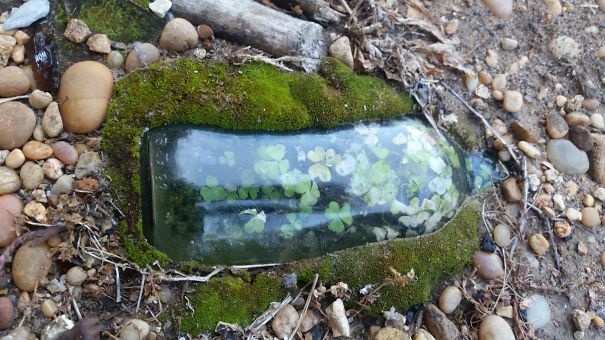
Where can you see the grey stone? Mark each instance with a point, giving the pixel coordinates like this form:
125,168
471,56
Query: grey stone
27,14
88,164
566,157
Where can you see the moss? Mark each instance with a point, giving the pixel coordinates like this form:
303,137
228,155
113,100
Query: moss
140,252
463,134
230,299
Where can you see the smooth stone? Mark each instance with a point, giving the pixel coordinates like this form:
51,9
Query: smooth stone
556,126
390,333
49,308
99,43
539,244
597,158
564,47
10,207
577,118
566,157
27,14
499,82
580,137
3,155
160,7
601,4
511,191
341,50
52,168
38,133
513,101
597,121
179,35
57,328
438,324
166,295
52,123
581,319
36,151
77,31
495,327
30,264
284,321
489,265
15,159
522,133
17,123
76,275
55,286
40,99
27,69
338,319
205,32
502,235
18,54
115,59
9,181
421,334
450,299
141,327
591,104
573,214
13,82
88,164
309,321
509,44
590,217
63,185
84,94
7,312
528,149
141,55
65,152
553,8
500,8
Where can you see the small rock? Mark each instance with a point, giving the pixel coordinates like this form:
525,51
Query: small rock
450,299
134,329
65,152
485,78
582,248
560,100
497,95
115,59
27,14
494,327
40,99
529,149
566,157
538,313
88,164
577,118
18,123
588,200
338,319
556,126
3,155
55,286
9,180
309,321
597,158
471,81
599,193
559,202
204,32
99,43
30,264
142,54
13,82
499,82
36,211
492,58
21,38
590,217
390,333
89,328
502,235
597,321
581,319
591,104
553,8
489,265
421,334
49,308
505,312
18,54
539,244
513,101
341,50
602,259
57,328
562,229
31,175
77,31
7,43
438,324
38,133
522,133
178,35
35,150
284,321
165,294
160,7
511,191
564,47
509,44
87,184
596,120
10,207
52,124
76,275
580,137
52,168
573,214
7,313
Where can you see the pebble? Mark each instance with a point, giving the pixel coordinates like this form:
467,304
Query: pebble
55,286
49,308
602,259
500,8
76,276
141,55
485,78
513,101
165,294
538,313
52,123
40,99
562,229
492,58
471,81
284,321
566,157
509,44
556,126
522,133
27,14
115,59
601,4
52,168
10,207
582,248
13,82
18,55
573,214
590,217
9,180
553,8
134,329
390,333
539,244
601,52
88,164
450,299
204,32
21,37
57,328
7,313
341,50
36,151
338,319
495,327
588,200
505,311
3,155
438,324
7,44
14,159
560,100
529,149
597,321
87,184
497,95
99,43
564,47
558,202
77,31
502,235
83,113
591,104
178,35
421,334
577,118
511,191
38,133
581,137
499,82
30,264
597,158
581,319
65,152
18,123
489,265
596,120
309,321
36,211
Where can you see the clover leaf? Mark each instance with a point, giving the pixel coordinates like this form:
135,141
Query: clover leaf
323,160
227,158
339,217
256,224
272,165
294,225
212,191
379,152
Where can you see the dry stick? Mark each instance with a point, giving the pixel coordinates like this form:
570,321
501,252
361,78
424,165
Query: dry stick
483,120
10,99
118,290
74,303
304,311
192,278
141,289
523,217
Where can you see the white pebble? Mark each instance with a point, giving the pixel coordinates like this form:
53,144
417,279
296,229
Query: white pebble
502,235
529,149
450,299
573,214
538,314
596,119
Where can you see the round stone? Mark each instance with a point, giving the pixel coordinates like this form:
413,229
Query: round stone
99,43
500,8
17,123
49,308
495,327
539,313
421,334
489,265
10,207
77,31
76,275
65,152
341,50
36,151
205,32
115,59
40,99
9,180
499,82
513,101
15,159
581,137
30,264
64,185
52,168
564,47
284,321
142,54
178,35
562,229
52,123
502,235
577,118
556,126
88,164
31,175
590,217
597,121
450,299
84,94
7,313
539,244
566,157
134,327
13,82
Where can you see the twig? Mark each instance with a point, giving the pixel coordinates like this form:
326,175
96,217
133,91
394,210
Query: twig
251,266
192,278
118,290
266,316
141,292
34,236
75,304
10,99
304,311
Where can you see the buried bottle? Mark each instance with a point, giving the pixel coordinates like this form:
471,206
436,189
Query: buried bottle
241,198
